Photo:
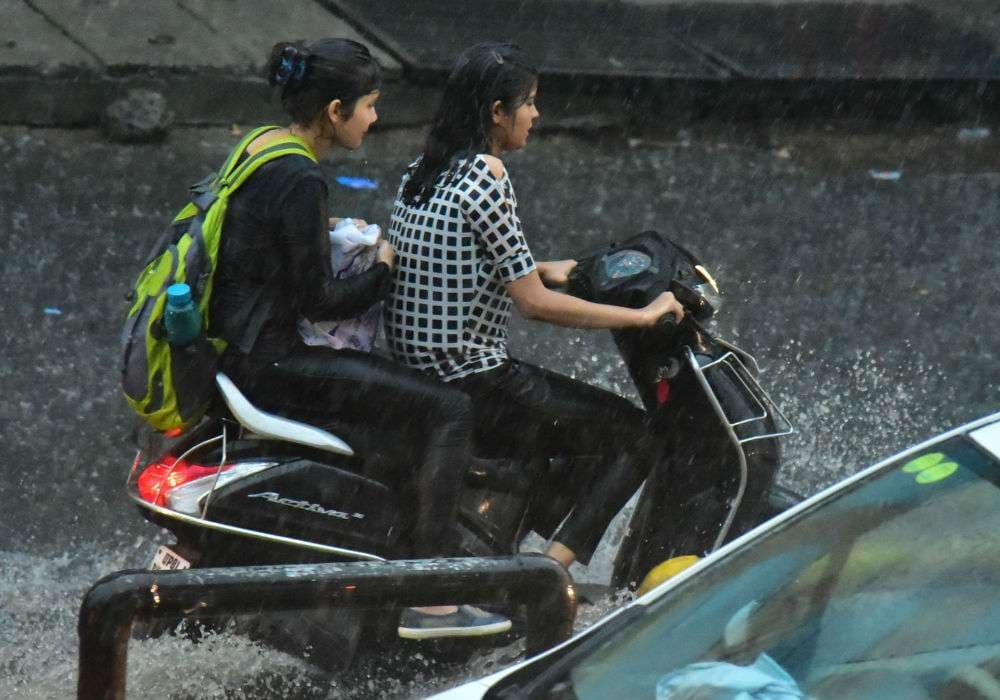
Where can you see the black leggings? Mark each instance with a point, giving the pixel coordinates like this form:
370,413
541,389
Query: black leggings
385,406
543,413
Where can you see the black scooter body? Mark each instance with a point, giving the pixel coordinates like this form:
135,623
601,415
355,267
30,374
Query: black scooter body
311,505
702,416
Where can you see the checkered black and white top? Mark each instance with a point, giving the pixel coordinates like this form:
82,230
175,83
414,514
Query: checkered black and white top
449,309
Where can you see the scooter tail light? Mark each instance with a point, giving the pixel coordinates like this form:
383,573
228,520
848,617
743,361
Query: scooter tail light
159,479
181,485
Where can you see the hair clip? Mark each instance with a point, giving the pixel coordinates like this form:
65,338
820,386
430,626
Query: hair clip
292,66
300,68
497,57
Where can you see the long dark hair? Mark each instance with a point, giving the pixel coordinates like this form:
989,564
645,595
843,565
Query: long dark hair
481,75
313,75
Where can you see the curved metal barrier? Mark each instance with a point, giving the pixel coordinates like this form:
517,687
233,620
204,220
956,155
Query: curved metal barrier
112,604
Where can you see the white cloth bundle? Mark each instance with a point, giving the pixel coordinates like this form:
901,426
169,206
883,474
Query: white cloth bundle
353,251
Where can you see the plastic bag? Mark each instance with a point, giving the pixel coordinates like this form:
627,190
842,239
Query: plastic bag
353,251
764,679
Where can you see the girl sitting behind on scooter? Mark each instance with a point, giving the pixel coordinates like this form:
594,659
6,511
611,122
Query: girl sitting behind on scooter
463,259
274,268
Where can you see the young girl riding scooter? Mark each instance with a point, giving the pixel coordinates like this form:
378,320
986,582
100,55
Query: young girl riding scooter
274,269
463,260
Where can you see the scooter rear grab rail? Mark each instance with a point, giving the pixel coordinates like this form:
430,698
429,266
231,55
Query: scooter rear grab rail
112,604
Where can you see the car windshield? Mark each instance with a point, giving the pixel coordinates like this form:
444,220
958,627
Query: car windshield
891,585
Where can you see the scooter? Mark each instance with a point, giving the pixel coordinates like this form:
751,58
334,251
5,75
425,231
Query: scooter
248,487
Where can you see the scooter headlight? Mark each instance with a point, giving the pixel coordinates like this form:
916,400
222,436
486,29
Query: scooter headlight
706,277
708,289
711,296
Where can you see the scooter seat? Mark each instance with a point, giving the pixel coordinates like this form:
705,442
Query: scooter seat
271,427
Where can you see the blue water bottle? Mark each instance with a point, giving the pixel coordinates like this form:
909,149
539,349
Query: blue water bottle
181,318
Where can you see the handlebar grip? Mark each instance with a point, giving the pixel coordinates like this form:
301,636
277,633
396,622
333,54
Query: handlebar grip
667,321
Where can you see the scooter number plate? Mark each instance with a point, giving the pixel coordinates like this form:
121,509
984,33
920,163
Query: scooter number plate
167,559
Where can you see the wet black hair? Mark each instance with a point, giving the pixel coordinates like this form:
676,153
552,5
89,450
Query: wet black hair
481,75
312,75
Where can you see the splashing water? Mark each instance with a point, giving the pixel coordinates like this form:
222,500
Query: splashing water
847,414
38,646
856,412
39,601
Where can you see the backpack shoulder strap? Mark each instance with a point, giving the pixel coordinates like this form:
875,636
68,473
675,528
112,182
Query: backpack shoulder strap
257,309
241,147
206,191
291,145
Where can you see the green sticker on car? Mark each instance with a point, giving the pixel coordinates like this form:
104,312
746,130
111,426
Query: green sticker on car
931,467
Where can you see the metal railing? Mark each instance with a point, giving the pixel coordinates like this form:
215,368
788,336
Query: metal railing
112,604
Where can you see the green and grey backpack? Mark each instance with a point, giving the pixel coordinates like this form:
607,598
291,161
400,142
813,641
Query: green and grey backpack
171,387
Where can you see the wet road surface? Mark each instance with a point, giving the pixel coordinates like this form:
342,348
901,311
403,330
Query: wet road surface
859,264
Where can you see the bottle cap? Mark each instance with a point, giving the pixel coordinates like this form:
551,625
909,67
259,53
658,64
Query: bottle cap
178,294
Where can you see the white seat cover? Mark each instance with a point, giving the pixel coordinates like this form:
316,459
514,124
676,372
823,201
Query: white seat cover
272,427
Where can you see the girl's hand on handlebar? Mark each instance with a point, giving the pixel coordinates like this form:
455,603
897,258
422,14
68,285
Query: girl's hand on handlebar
385,253
555,273
662,305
